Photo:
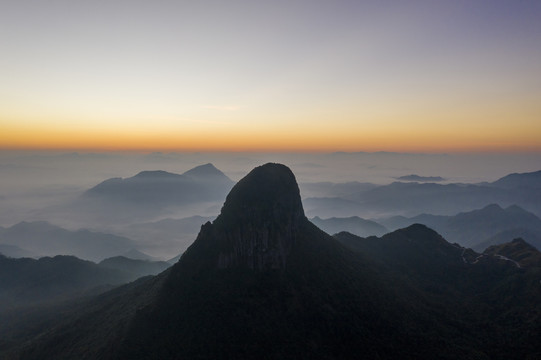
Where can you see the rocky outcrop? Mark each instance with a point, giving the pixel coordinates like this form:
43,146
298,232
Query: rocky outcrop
259,222
257,249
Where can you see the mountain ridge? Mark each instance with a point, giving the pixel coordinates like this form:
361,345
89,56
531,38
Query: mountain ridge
42,238
518,251
352,224
474,228
162,188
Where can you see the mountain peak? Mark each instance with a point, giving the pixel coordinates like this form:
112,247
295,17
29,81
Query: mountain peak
493,207
204,172
259,222
268,192
154,174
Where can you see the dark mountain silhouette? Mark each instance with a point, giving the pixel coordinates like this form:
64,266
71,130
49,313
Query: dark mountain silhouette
490,297
162,189
354,225
416,250
419,178
84,316
44,239
518,251
27,281
263,282
479,228
258,225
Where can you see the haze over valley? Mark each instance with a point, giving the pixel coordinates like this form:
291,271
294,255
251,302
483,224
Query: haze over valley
155,203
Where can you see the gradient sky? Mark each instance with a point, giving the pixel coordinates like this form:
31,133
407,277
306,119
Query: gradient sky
350,75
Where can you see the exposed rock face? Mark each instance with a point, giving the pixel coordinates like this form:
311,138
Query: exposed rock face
260,248
259,222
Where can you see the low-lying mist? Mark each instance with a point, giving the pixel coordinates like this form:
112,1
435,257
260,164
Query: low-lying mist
51,187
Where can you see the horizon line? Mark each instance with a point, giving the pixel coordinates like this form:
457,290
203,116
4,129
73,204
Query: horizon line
85,150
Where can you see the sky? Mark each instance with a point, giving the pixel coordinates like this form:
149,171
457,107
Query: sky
295,75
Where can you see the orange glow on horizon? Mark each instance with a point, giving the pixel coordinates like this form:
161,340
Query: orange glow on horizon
266,140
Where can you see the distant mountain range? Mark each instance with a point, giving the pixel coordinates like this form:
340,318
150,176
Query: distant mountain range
431,198
354,225
262,282
533,237
414,198
478,229
531,180
481,228
147,196
125,207
40,238
162,189
419,178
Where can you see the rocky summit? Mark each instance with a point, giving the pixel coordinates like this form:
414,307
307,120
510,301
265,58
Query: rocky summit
260,220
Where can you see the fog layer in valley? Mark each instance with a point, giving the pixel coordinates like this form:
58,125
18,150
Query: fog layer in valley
54,187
